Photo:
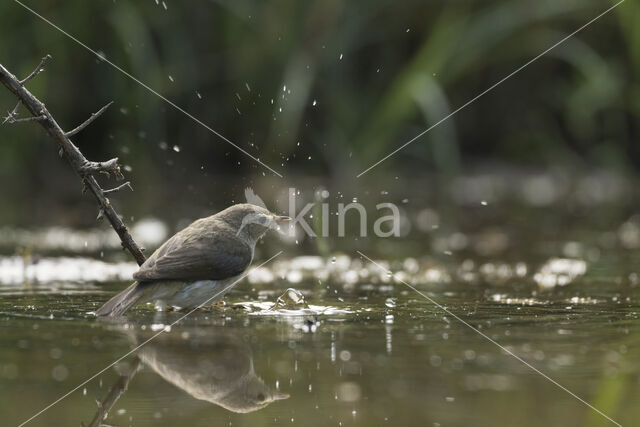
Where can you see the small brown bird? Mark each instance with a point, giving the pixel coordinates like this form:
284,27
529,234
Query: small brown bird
198,263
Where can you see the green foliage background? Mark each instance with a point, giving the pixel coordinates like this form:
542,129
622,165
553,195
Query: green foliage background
379,71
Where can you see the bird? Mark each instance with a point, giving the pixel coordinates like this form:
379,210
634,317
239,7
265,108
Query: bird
198,264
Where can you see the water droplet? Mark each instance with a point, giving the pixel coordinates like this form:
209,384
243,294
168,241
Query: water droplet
170,76
176,148
390,302
341,57
314,102
198,95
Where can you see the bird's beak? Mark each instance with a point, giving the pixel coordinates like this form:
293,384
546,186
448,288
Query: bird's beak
281,219
281,396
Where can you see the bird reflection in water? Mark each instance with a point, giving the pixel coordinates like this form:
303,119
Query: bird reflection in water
216,367
209,364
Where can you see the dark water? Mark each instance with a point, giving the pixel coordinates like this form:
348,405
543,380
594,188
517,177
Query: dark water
364,350
552,280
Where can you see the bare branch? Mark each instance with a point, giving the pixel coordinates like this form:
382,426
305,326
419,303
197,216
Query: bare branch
88,121
118,188
37,71
83,167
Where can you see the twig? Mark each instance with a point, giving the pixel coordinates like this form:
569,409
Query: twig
83,167
37,71
12,114
11,119
118,188
88,121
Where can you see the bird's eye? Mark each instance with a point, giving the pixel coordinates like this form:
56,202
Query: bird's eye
260,397
262,220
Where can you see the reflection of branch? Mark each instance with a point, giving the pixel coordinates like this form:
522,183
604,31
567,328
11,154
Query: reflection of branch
83,167
115,392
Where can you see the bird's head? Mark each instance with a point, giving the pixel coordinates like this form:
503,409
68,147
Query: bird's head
251,394
251,221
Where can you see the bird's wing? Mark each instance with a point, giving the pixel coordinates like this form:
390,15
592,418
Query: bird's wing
206,250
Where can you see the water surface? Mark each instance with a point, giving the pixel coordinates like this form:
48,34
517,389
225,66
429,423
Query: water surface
361,349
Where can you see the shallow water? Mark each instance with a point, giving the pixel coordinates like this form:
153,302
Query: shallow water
361,349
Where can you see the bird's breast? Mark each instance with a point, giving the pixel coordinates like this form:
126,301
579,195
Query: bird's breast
200,292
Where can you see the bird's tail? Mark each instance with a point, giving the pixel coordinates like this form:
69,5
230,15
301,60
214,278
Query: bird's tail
122,302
